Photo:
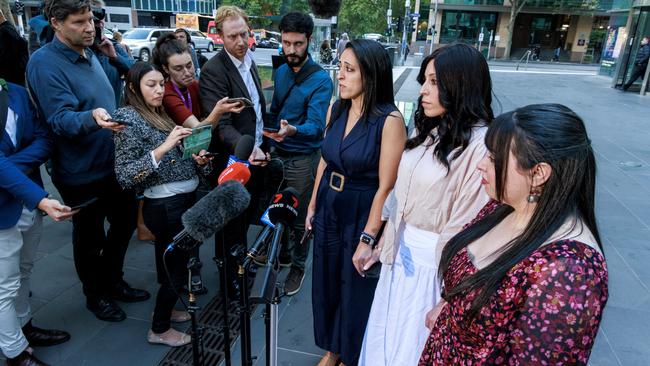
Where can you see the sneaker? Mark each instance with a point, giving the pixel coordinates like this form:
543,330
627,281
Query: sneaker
293,282
285,262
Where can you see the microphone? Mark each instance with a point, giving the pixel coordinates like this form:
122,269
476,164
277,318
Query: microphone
243,150
236,171
325,8
210,214
280,213
284,208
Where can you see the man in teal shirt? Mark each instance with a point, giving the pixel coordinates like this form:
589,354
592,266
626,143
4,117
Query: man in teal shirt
303,91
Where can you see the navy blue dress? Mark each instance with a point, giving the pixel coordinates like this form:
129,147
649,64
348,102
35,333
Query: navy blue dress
341,298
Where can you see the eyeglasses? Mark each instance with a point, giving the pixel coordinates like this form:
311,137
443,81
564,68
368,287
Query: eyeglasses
99,14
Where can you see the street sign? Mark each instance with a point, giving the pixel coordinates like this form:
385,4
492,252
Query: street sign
480,37
415,15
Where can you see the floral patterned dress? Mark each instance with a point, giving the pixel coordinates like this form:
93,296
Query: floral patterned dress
546,312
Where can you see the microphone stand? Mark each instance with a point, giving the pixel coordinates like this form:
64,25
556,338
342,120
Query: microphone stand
245,261
194,284
271,308
223,269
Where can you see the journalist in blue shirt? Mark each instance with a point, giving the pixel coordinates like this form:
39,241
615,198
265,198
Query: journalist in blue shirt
76,96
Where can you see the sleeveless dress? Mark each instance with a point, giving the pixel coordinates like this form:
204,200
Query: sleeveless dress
341,298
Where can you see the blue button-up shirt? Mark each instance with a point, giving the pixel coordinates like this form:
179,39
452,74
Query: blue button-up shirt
305,108
67,87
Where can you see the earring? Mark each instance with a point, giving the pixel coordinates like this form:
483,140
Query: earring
533,197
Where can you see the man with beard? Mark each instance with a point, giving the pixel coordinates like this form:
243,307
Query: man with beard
303,91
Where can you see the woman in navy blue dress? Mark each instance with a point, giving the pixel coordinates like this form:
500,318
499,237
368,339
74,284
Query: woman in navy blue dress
364,140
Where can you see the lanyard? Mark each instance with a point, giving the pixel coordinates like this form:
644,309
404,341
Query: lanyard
188,102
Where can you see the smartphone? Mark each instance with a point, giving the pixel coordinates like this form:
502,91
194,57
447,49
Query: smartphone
245,101
98,36
271,129
373,271
84,204
209,154
119,122
305,237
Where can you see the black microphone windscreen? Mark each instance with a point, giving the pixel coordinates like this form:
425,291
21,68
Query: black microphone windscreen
212,212
244,147
325,8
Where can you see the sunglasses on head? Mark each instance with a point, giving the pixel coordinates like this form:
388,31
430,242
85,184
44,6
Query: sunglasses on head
99,14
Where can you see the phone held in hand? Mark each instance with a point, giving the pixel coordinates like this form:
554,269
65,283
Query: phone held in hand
84,204
209,155
306,236
245,101
120,122
373,271
271,129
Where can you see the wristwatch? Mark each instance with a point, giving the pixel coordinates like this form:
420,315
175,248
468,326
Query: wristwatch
367,239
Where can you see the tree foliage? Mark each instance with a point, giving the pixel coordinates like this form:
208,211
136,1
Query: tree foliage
365,16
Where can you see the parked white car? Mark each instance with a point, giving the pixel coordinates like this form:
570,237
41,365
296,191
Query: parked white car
142,41
201,41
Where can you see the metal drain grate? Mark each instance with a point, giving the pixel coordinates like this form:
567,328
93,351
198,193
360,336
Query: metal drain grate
211,319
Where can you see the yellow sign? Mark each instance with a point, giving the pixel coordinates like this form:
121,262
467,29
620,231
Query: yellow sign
190,21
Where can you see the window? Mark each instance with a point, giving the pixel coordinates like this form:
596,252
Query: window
466,26
119,18
155,34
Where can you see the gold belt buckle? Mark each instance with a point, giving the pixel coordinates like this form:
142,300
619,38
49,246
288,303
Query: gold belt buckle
338,188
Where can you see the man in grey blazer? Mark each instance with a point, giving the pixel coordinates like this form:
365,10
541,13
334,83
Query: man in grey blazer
232,73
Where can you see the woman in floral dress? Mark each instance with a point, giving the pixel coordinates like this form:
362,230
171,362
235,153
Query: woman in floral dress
526,281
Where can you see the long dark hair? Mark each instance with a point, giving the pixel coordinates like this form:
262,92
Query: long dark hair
376,77
166,46
133,97
539,133
464,90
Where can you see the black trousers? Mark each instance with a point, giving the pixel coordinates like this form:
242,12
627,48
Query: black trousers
163,217
99,253
637,72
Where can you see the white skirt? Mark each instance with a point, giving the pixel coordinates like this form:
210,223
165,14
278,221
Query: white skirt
406,291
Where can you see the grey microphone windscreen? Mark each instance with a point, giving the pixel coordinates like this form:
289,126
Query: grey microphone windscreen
244,147
325,8
212,212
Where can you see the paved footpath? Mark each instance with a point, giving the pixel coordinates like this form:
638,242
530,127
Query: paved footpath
618,126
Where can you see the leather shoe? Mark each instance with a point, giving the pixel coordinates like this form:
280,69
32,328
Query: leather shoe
105,309
25,359
38,337
125,293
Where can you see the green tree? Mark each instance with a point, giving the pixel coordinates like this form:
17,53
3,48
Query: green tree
365,16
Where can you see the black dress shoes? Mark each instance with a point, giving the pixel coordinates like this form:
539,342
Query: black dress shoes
125,293
106,310
38,337
25,359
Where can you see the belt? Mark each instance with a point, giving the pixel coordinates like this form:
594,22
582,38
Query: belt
338,182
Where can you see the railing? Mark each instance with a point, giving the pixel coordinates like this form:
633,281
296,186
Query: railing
525,56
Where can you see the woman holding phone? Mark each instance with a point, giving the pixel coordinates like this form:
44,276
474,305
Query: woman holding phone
181,99
149,159
364,141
